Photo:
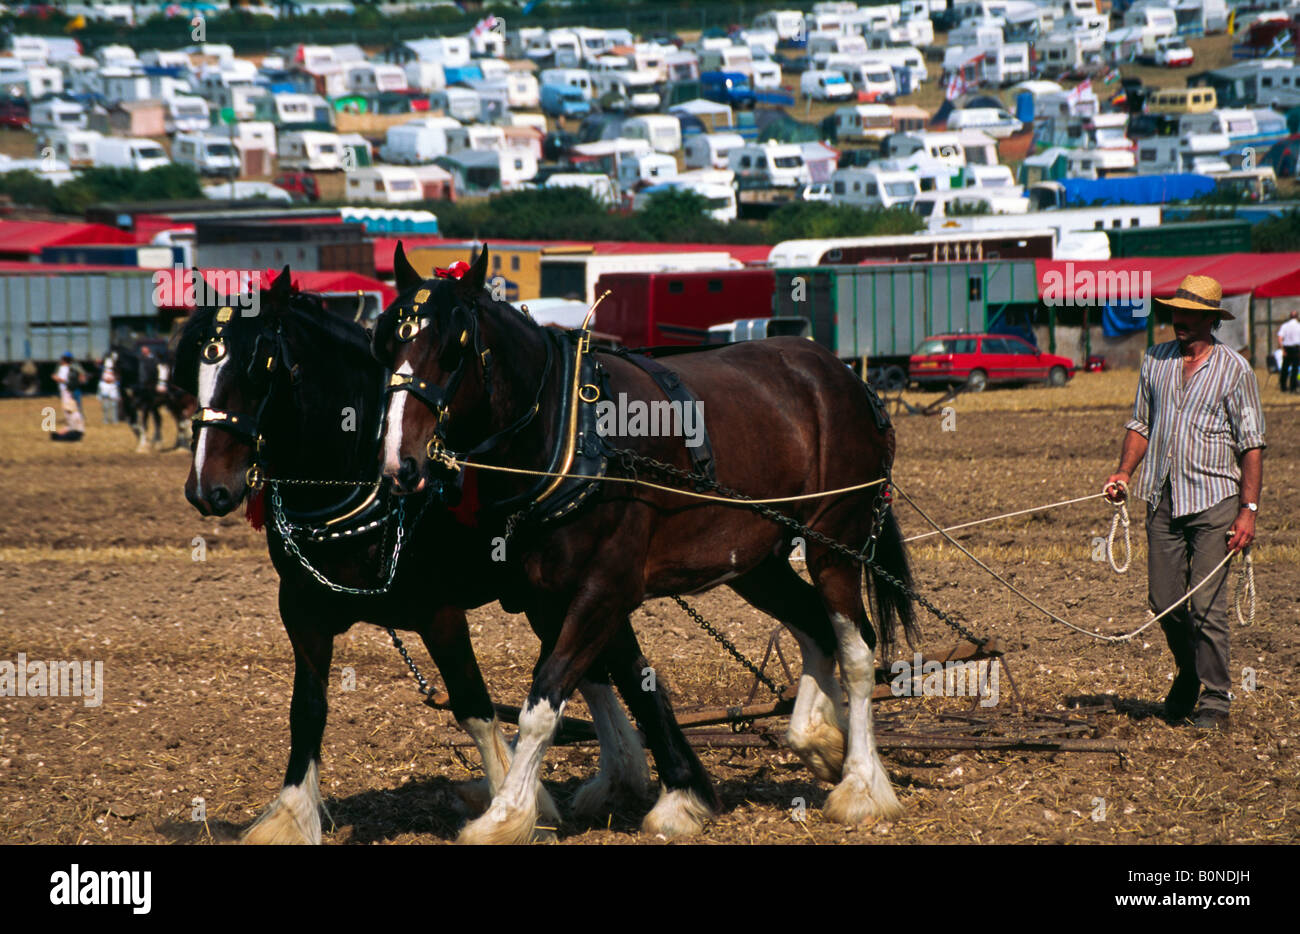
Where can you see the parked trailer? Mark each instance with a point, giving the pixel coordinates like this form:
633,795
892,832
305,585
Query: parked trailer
876,316
51,310
645,309
915,248
1189,239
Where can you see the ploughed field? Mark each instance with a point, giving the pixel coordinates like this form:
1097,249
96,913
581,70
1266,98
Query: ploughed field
96,563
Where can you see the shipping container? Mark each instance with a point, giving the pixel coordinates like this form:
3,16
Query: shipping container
646,309
881,313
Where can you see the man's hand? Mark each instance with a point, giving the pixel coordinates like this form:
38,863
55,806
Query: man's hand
1242,532
1116,488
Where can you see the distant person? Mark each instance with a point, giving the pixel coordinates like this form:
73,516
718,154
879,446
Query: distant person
1197,414
1288,341
110,394
67,376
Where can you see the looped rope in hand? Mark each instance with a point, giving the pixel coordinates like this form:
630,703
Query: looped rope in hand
1117,495
1245,589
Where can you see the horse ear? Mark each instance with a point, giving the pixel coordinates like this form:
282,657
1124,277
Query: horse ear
280,288
473,281
404,273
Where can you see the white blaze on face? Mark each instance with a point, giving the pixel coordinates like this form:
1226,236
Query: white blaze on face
209,379
393,427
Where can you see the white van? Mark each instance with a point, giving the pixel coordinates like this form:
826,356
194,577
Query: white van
873,78
206,154
936,205
1007,64
418,141
186,113
74,147
129,153
661,131
864,121
460,103
578,78
636,87
55,113
787,24
730,58
996,123
710,150
878,188
823,85
505,170
907,58
386,184
775,165
645,169
314,150
940,147
477,136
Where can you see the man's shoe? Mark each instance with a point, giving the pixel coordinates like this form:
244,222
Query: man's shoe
1181,700
1212,720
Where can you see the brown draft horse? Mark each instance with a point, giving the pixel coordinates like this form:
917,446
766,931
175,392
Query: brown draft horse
785,418
295,391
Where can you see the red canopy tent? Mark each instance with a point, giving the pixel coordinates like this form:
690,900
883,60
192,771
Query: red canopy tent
1267,275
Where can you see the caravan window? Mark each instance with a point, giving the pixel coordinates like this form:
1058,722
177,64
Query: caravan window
788,162
900,189
839,188
872,190
327,149
1147,155
402,184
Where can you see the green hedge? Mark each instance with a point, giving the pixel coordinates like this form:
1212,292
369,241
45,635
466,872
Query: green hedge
93,186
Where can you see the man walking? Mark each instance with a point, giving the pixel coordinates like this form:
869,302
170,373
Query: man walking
1197,415
1288,338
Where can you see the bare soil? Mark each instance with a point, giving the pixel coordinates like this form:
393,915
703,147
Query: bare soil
96,562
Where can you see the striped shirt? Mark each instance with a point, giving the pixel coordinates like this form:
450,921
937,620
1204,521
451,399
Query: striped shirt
1197,432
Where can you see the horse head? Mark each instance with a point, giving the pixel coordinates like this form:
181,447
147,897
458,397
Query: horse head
233,363
432,338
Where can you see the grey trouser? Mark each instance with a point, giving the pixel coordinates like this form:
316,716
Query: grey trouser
1180,553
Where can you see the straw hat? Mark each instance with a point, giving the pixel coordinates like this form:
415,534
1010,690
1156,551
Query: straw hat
1199,293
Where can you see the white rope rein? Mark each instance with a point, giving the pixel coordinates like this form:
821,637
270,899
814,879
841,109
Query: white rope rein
1245,584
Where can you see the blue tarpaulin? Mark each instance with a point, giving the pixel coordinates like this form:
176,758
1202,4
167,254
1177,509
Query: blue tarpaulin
1119,319
1136,189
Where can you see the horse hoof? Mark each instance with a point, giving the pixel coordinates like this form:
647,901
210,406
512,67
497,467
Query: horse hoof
677,813
853,801
501,825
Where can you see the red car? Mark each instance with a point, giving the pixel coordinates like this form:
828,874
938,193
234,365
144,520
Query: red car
980,359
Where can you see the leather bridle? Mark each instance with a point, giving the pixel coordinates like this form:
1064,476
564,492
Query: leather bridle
439,399
270,351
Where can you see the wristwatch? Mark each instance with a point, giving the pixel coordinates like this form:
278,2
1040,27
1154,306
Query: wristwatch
1253,507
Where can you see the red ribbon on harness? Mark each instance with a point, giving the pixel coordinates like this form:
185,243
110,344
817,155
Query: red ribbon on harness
255,510
466,511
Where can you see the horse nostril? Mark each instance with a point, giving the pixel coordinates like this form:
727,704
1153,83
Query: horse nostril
408,474
219,498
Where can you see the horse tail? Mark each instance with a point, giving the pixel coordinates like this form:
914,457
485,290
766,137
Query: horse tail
893,605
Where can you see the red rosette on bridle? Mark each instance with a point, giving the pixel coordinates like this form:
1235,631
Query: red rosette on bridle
456,270
255,510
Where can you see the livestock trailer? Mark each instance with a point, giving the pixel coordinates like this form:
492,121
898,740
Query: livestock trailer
646,309
876,315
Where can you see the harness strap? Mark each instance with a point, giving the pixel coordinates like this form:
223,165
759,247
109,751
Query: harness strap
670,382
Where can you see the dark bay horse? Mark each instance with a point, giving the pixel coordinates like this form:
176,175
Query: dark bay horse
293,392
146,389
784,418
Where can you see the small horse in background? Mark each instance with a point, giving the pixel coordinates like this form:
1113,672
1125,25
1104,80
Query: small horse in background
146,390
294,392
785,418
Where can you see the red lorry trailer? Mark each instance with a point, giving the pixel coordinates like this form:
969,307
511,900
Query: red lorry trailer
653,309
